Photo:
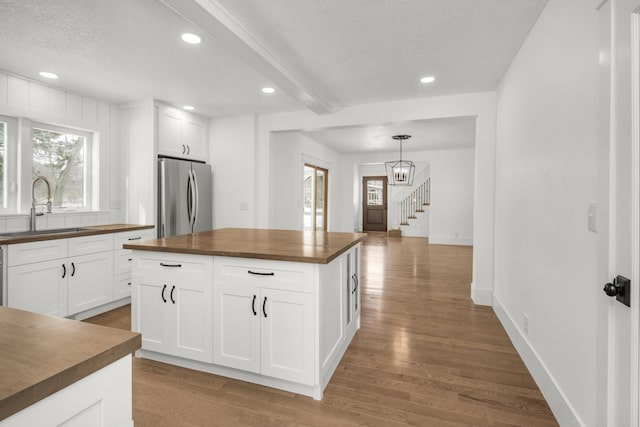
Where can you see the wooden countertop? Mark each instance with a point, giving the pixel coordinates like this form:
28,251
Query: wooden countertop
40,355
282,245
88,230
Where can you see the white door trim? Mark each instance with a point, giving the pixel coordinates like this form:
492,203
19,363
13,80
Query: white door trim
635,216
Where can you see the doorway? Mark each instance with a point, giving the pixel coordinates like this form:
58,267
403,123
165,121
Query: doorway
315,198
374,203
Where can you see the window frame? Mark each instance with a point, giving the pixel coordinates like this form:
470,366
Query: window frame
12,148
91,181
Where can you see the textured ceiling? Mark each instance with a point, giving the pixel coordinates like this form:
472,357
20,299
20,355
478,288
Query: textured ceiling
434,134
320,55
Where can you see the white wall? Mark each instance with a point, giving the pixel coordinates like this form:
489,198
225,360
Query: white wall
546,173
232,159
289,152
20,97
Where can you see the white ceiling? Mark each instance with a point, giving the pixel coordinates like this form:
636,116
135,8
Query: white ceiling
434,134
319,54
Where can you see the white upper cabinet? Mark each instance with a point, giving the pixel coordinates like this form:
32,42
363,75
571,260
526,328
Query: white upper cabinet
181,134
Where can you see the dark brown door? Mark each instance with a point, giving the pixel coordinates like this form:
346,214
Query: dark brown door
374,203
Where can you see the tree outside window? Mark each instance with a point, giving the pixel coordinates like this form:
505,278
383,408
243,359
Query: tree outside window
62,157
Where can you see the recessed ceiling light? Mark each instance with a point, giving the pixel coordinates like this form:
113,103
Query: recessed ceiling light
191,38
268,90
428,79
188,107
48,75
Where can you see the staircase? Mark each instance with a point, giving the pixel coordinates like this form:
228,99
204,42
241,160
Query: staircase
415,202
410,216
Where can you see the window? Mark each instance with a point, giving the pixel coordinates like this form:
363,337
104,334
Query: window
8,157
63,156
315,198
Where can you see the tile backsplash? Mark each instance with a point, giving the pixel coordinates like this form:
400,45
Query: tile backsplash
11,223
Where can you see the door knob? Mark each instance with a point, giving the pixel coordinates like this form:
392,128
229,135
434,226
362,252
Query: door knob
620,288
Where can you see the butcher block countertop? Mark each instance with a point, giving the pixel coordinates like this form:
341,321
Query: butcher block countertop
40,355
315,247
89,230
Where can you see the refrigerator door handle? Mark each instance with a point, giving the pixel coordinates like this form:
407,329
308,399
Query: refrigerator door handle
196,201
163,201
189,196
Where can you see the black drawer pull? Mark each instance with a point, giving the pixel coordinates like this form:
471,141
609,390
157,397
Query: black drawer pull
164,287
130,259
135,238
128,283
253,306
257,273
264,303
170,265
64,271
73,271
173,288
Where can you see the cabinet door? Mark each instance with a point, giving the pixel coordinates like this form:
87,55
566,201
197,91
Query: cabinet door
192,303
287,335
121,286
148,313
170,132
194,134
90,281
236,333
39,287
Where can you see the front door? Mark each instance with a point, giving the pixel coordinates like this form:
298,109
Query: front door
374,201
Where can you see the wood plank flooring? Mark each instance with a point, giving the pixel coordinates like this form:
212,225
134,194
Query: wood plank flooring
425,356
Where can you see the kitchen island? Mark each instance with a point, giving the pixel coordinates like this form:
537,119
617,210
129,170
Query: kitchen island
273,307
63,371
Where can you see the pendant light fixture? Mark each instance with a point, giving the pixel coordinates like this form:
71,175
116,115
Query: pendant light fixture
400,172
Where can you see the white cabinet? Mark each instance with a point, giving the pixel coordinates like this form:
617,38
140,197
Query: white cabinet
181,134
172,310
260,328
39,287
90,281
351,288
123,259
64,277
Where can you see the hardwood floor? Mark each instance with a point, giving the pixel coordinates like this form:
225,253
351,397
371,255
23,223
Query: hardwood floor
425,356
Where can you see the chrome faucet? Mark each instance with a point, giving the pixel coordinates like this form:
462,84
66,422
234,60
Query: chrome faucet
32,221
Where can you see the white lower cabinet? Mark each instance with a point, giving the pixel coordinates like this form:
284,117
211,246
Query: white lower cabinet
262,330
172,305
39,287
90,281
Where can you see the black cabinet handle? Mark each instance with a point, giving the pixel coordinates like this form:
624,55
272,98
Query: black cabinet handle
164,287
253,306
64,271
257,273
173,288
170,265
356,282
184,149
264,304
128,283
73,269
135,238
188,150
130,259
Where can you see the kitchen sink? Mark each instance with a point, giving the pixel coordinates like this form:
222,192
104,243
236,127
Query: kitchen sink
41,232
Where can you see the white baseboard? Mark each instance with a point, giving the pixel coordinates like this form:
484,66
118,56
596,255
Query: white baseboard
439,240
481,296
560,406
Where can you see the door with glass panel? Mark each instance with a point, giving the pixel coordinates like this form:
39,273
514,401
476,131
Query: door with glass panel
314,208
374,201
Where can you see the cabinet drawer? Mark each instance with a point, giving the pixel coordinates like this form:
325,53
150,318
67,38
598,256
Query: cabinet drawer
136,236
293,276
122,261
90,244
121,286
45,250
173,266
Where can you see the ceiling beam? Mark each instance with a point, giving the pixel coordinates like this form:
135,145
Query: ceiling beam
214,20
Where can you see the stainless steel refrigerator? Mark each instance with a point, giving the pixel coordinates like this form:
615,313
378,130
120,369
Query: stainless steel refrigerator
184,197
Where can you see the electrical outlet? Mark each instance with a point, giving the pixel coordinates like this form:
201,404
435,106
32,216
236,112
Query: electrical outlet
525,324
